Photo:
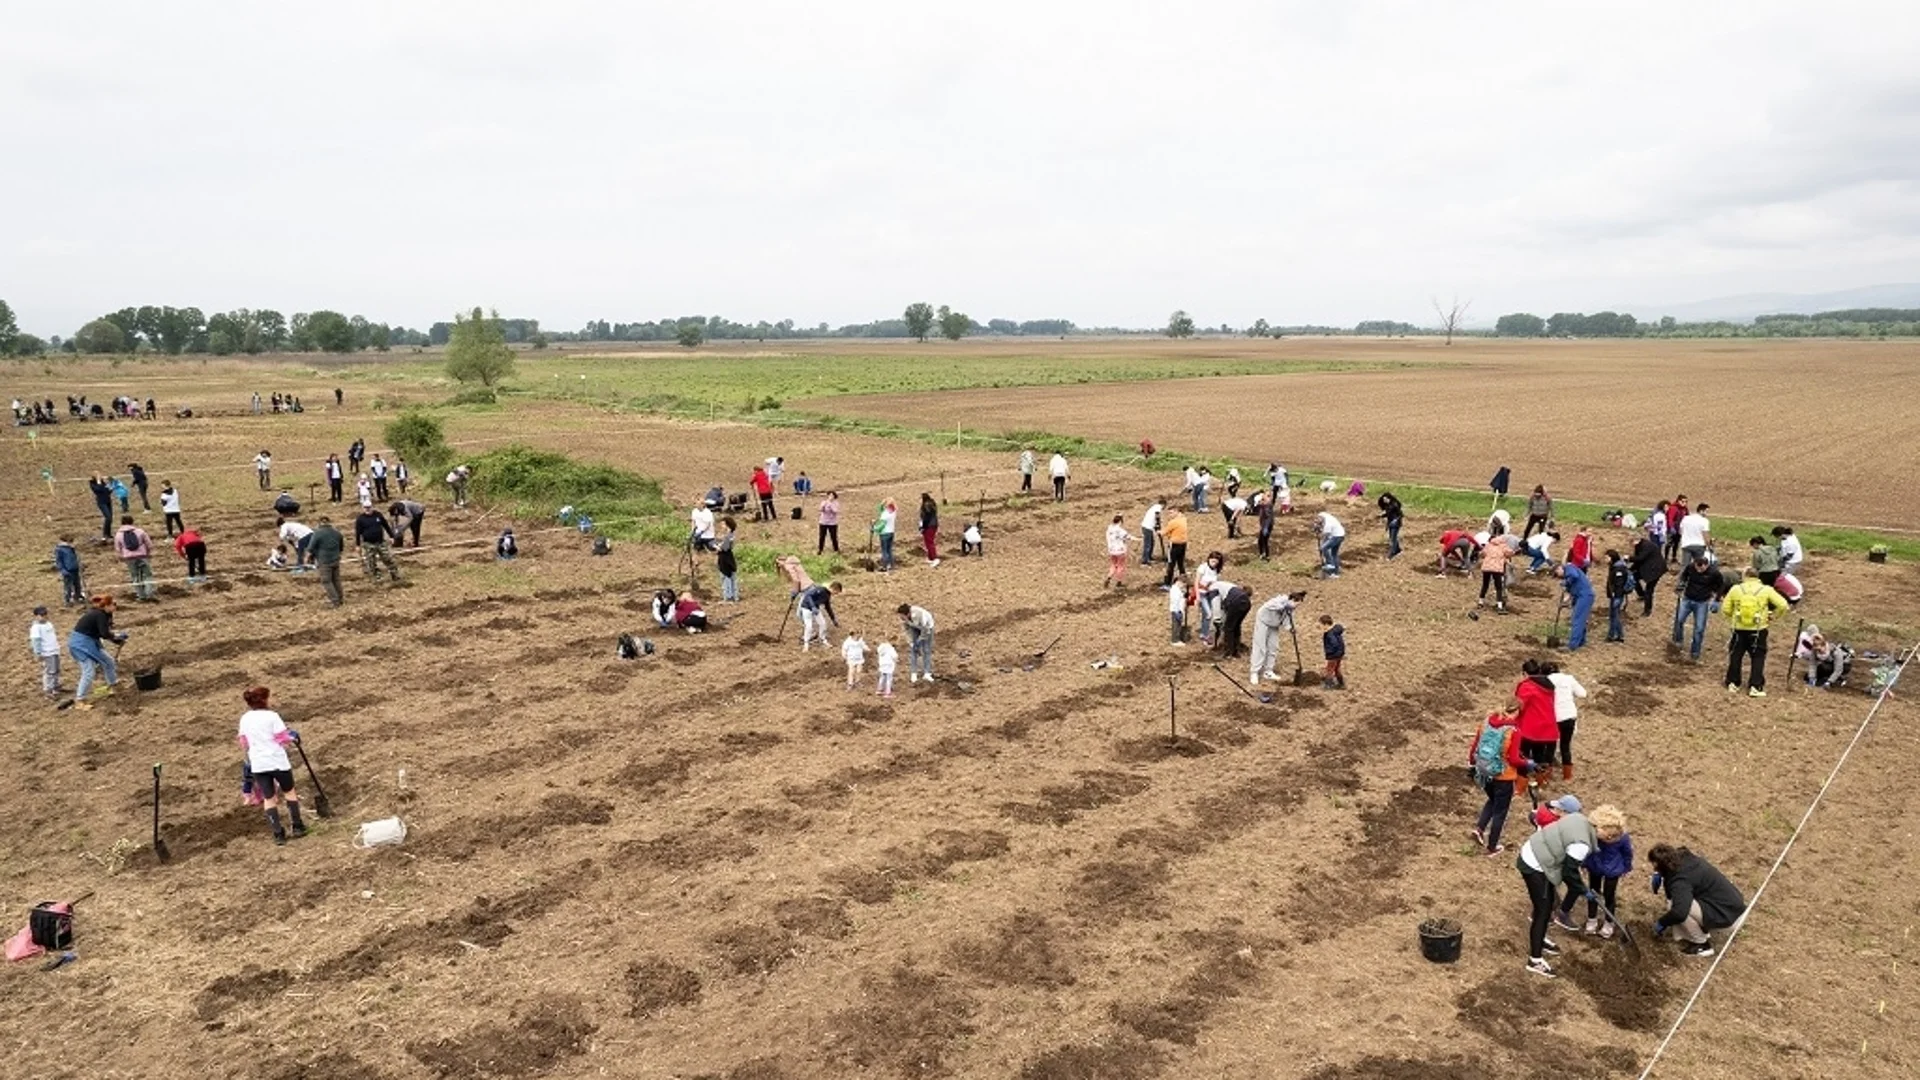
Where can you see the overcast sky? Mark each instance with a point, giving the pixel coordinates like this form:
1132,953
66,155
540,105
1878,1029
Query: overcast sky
1104,162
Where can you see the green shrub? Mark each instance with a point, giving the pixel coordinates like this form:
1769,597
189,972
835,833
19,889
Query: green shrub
417,435
536,483
474,395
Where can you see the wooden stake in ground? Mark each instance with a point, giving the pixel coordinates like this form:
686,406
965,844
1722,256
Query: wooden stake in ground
1794,652
1173,727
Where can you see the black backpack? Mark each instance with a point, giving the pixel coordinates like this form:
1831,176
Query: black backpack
49,926
601,547
626,648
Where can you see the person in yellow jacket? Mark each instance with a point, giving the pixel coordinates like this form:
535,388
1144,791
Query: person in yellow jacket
1750,606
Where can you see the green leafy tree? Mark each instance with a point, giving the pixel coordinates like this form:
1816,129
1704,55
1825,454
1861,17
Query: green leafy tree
9,330
1259,329
102,335
1520,324
691,333
953,324
273,329
28,345
1180,325
380,336
299,338
477,349
919,319
330,331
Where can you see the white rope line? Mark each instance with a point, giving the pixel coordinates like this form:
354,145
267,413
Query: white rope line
1721,954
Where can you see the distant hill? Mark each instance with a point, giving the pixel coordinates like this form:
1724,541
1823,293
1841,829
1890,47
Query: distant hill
1746,308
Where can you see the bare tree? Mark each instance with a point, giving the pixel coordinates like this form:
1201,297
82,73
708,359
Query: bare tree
1451,317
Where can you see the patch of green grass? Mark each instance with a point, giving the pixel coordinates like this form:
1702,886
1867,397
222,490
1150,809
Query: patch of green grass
536,483
716,384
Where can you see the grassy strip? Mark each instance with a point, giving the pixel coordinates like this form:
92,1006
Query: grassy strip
1438,501
624,505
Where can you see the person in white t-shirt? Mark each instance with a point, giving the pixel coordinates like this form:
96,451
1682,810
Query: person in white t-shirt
1696,533
1149,529
1057,469
702,519
886,660
1566,712
1791,553
1332,534
263,467
1233,508
853,649
300,537
1117,540
264,736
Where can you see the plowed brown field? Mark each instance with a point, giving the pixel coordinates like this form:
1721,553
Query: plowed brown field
1813,431
716,862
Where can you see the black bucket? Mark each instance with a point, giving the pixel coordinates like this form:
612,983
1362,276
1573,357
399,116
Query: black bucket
147,680
1440,940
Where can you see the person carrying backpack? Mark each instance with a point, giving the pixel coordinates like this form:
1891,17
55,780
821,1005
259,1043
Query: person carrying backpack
1750,605
1498,767
135,548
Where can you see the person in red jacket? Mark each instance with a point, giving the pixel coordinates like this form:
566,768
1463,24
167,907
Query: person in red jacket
763,487
1460,546
1580,552
1533,705
190,546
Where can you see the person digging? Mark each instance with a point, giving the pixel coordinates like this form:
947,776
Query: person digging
1272,617
264,736
1700,898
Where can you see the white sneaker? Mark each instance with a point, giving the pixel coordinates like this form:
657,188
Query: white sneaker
929,676
1253,681
1593,926
913,678
1541,967
932,563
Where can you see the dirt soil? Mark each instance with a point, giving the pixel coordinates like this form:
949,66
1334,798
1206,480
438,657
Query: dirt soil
1595,420
717,862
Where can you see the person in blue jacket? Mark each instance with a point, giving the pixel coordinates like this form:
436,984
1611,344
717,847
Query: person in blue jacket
1610,861
67,561
1580,596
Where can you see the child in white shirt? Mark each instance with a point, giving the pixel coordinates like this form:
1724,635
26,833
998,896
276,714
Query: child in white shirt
855,651
970,540
277,558
45,644
1177,608
886,658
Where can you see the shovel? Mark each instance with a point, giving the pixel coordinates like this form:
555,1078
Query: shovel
1794,653
320,804
1299,669
1264,699
1041,656
159,846
1626,935
1553,636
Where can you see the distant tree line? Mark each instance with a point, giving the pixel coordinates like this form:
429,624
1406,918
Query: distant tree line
1852,322
944,321
174,331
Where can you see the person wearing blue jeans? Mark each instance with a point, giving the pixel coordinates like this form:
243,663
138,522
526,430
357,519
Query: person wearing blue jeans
1580,596
1540,551
86,644
1619,591
1332,535
1149,531
1393,515
918,623
1699,592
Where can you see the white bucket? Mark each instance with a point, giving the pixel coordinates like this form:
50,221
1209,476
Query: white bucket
378,833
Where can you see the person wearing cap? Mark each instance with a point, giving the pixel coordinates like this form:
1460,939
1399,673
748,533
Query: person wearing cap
1550,858
45,645
1750,606
1700,898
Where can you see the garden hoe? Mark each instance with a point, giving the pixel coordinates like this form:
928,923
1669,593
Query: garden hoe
1626,935
320,804
1553,636
1264,699
159,846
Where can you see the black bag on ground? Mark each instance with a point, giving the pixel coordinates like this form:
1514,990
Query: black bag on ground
600,546
626,648
50,927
